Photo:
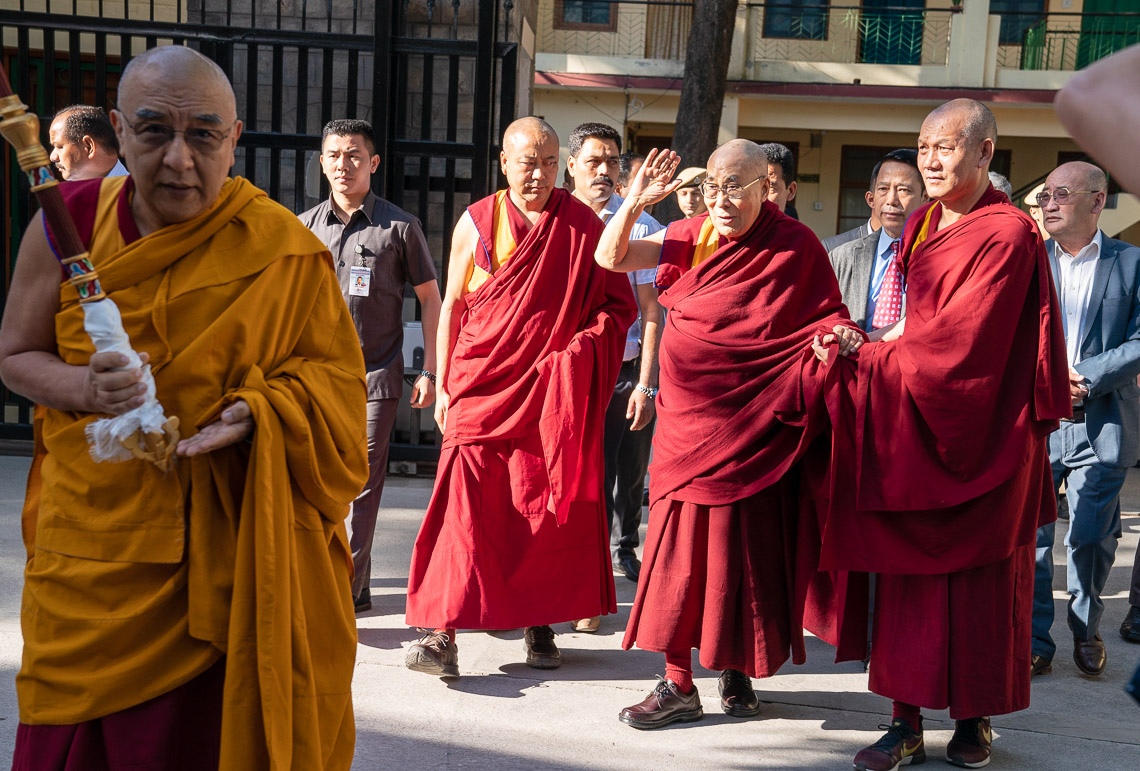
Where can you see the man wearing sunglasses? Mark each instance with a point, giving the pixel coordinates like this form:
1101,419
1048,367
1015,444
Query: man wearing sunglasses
1098,282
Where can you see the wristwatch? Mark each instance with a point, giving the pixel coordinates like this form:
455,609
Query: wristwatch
649,391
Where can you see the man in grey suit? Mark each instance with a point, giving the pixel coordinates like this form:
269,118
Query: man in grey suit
1098,281
872,225
862,265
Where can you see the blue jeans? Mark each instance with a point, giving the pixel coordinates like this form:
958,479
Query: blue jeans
1093,492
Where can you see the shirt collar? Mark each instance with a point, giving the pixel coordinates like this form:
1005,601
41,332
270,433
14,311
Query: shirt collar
367,210
884,243
611,207
1090,251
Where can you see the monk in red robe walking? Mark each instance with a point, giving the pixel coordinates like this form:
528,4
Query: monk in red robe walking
531,336
740,405
942,475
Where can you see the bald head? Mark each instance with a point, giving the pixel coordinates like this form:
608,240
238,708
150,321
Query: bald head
178,129
977,122
175,65
955,148
739,166
745,156
529,161
1084,176
1084,188
527,130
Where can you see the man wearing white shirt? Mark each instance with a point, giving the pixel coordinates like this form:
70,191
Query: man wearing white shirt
1098,282
593,166
866,267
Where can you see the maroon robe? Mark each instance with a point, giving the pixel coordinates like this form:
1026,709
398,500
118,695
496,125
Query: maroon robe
941,470
516,532
741,403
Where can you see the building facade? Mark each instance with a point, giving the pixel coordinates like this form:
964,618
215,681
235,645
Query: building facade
840,82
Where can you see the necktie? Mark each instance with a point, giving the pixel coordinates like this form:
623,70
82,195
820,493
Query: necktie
888,309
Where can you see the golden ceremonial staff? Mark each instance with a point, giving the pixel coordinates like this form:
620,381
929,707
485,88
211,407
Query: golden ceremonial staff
144,432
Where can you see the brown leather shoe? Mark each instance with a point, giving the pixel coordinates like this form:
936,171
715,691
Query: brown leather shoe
665,705
541,652
736,695
1039,665
969,747
1090,656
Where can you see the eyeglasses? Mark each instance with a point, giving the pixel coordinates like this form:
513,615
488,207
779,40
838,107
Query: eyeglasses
1061,195
733,191
201,140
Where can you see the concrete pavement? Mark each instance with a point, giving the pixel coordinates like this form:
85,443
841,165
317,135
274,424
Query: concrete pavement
504,715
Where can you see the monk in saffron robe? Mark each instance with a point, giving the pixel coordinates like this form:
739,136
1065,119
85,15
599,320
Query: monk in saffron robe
199,618
740,405
531,337
942,475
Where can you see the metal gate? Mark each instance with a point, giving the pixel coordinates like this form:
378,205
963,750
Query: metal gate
437,81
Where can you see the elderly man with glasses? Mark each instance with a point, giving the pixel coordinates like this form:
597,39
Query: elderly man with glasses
1098,281
739,406
197,617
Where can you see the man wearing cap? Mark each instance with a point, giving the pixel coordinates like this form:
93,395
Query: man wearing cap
689,198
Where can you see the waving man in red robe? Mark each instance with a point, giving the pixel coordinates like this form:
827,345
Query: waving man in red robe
531,336
942,475
740,405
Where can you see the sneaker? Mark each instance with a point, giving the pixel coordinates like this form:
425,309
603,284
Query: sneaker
541,652
434,654
664,705
900,746
970,745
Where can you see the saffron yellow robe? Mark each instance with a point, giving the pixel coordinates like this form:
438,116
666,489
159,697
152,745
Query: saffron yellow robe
137,580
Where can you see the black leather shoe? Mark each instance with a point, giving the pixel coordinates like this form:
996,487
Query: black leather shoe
1089,655
541,652
1039,665
736,695
363,602
1130,629
665,705
629,566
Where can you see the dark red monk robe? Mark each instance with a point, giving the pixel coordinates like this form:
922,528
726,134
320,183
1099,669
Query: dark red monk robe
516,532
941,471
740,404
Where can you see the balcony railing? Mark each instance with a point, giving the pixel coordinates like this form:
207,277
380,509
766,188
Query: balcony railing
1063,41
850,34
840,34
659,29
636,29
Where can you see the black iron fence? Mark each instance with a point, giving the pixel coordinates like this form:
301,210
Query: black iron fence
437,80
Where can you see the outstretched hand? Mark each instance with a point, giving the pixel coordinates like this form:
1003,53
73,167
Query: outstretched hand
654,180
234,425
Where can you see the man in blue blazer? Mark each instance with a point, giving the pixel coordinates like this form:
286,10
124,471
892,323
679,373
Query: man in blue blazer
1098,281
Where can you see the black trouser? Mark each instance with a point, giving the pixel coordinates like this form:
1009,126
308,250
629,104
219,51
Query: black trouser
627,458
